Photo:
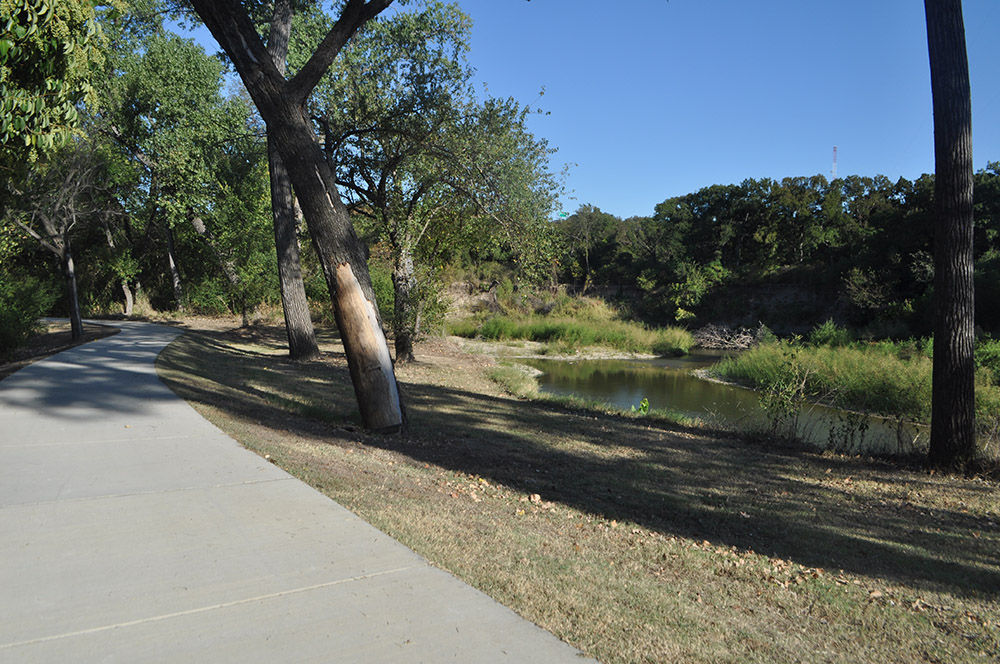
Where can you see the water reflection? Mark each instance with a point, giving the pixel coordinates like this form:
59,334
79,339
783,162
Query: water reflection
671,384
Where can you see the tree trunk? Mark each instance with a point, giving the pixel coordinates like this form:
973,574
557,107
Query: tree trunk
953,435
404,325
345,266
175,273
298,321
342,255
69,271
129,300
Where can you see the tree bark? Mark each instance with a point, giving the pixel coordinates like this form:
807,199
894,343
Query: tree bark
298,321
175,273
405,305
953,435
129,300
69,271
343,256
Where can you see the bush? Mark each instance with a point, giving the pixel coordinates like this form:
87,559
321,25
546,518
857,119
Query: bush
830,334
23,300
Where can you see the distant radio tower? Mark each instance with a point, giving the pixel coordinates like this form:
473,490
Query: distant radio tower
834,162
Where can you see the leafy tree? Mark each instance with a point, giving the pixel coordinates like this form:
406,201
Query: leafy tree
953,436
58,201
415,152
47,52
589,237
185,154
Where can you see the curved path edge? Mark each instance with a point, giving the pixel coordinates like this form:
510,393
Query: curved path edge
136,531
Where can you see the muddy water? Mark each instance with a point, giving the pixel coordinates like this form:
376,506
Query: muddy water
671,384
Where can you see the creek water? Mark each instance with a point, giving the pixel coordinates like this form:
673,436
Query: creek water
671,383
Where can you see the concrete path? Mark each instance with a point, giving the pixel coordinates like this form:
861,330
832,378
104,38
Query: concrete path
132,530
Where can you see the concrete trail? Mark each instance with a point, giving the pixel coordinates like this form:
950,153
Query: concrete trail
133,530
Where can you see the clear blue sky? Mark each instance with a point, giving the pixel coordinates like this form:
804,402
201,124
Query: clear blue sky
654,98
649,99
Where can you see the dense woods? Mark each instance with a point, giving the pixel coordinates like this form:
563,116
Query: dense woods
790,253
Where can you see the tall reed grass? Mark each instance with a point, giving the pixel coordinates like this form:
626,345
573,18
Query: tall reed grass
577,333
888,379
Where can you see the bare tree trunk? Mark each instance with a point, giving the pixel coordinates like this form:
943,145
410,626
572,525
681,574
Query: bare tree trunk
69,271
953,433
175,273
129,300
298,321
404,325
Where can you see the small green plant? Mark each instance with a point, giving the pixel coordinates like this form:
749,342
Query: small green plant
643,408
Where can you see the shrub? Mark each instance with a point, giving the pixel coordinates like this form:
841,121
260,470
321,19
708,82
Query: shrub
23,300
830,334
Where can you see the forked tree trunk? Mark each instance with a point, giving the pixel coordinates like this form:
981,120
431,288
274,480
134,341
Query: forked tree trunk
953,430
342,255
298,321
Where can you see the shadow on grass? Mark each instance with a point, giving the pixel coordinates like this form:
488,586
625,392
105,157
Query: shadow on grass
689,483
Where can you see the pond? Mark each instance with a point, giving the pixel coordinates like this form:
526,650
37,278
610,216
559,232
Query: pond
670,383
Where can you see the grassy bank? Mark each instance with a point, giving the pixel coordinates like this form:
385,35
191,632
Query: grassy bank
567,324
887,379
569,334
635,541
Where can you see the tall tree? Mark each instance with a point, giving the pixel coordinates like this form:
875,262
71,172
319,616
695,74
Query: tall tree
282,104
298,322
953,433
57,202
415,152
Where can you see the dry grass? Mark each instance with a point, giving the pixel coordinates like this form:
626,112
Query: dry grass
634,542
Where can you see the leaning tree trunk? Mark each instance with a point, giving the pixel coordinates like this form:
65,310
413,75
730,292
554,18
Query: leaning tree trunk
298,321
404,324
344,261
281,104
69,271
953,435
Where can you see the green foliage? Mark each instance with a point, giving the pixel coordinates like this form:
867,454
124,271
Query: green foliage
988,359
830,334
871,378
48,51
23,300
643,408
573,334
789,253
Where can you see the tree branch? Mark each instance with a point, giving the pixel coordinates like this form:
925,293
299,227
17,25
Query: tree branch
355,14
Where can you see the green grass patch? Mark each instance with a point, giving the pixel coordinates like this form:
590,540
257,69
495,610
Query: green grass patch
573,333
887,379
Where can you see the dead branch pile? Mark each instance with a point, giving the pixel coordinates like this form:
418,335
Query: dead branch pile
726,338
